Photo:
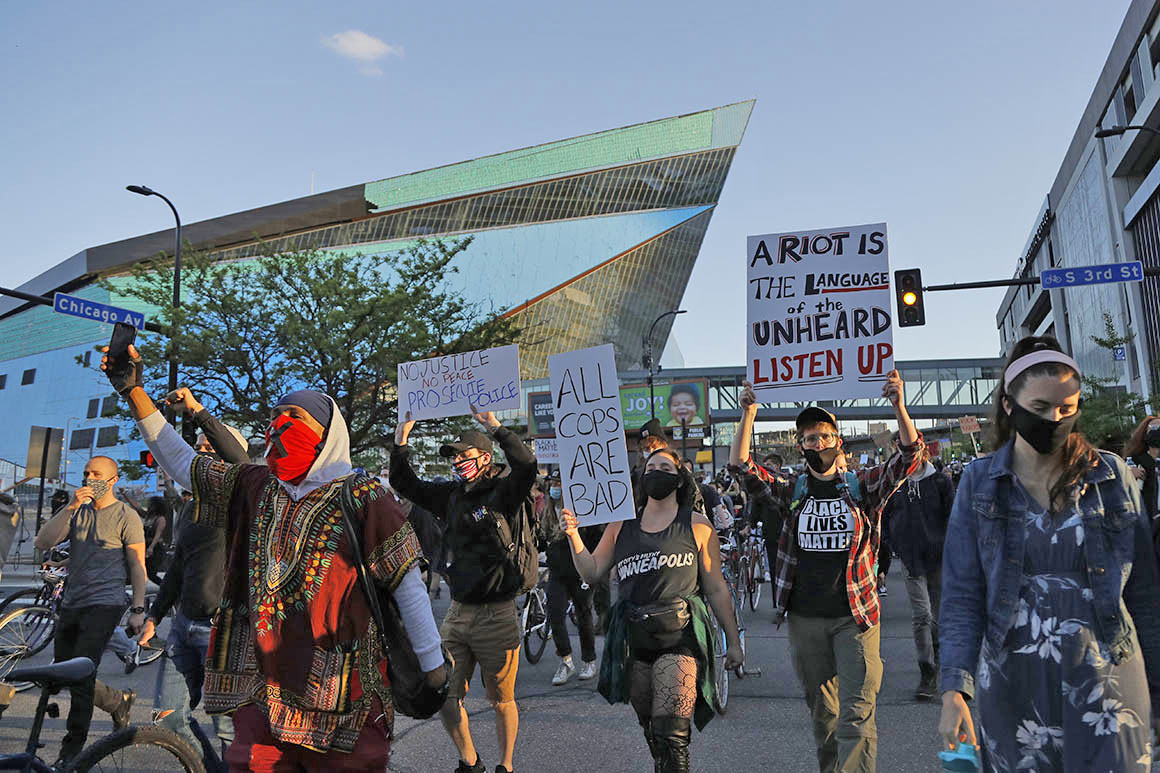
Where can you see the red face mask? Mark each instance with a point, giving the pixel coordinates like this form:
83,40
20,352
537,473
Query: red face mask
291,448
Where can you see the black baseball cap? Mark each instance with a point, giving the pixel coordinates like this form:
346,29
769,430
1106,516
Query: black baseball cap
653,428
469,439
815,415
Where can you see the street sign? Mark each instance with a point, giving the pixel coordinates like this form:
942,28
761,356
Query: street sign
1119,353
82,307
968,424
38,437
1053,278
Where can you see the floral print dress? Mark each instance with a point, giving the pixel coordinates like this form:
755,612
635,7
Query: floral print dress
1050,699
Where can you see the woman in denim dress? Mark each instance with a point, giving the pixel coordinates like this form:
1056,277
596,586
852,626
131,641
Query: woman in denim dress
1050,613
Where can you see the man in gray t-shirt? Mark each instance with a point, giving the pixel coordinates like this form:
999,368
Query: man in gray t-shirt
106,550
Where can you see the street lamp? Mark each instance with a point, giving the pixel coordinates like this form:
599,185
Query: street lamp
648,358
1116,131
142,190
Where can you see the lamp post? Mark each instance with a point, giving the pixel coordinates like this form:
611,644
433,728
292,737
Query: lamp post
648,358
1116,131
143,190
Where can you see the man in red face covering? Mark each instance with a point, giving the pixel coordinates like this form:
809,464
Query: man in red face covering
293,655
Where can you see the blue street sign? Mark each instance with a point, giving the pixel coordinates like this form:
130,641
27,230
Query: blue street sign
1053,278
1119,353
98,312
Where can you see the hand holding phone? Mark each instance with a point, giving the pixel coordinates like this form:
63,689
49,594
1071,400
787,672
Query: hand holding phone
123,336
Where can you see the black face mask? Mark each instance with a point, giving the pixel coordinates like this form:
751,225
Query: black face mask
658,484
821,461
1152,439
1043,435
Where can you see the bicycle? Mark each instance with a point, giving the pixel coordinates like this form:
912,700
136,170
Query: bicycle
134,748
733,563
26,631
755,566
534,620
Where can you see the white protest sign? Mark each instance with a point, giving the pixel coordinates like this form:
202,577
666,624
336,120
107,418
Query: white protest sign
819,314
449,385
590,435
547,451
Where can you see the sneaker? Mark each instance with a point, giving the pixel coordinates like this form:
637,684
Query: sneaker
121,715
767,578
130,661
882,589
563,673
502,769
62,764
478,767
587,670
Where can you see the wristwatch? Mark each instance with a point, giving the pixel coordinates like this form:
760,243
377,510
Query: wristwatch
136,610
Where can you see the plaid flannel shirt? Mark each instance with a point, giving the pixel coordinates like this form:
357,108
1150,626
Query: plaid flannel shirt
878,484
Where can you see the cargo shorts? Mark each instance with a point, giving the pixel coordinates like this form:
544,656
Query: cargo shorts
488,635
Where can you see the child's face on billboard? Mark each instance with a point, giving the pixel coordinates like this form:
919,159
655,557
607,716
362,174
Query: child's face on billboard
682,406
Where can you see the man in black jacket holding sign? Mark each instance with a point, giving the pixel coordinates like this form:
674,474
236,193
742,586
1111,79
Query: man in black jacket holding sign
482,626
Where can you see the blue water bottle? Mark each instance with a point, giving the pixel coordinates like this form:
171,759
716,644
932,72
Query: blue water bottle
964,759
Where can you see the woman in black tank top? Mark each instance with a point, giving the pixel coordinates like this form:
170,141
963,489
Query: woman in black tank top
667,554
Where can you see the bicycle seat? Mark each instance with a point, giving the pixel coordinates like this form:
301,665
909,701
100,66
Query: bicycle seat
54,674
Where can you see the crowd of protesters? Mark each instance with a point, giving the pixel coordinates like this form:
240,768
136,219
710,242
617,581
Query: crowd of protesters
1031,576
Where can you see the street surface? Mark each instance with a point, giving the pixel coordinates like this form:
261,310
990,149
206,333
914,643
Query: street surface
572,728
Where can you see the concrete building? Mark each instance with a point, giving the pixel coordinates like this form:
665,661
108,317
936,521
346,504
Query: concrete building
1103,207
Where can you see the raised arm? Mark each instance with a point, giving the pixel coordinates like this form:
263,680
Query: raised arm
739,452
171,452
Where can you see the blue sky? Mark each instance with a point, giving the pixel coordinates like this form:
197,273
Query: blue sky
946,120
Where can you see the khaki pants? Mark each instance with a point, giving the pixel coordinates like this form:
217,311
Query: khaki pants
840,671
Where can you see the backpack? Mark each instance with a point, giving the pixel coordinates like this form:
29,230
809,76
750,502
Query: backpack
516,540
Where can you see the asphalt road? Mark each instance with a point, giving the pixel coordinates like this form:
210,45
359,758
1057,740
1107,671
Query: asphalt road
571,728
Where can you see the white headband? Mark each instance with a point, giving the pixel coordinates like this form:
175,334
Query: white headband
1035,358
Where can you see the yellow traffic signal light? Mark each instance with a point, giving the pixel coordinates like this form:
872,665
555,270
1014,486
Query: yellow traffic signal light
908,292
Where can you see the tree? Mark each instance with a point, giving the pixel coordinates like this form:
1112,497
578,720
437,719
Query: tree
1110,412
249,332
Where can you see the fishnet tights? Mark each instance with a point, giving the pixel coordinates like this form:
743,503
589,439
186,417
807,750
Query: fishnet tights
667,687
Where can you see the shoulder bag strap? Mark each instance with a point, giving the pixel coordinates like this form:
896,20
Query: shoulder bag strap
351,522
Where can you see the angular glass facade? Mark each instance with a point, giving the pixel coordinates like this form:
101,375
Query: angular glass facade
582,242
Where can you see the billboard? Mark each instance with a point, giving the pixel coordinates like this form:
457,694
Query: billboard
672,402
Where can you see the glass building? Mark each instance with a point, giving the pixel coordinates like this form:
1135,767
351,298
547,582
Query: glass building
583,241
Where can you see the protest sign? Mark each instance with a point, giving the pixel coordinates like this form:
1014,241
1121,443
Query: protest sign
541,421
819,321
547,452
449,385
590,435
671,403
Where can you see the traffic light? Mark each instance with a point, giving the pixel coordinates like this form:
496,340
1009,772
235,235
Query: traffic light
908,293
147,460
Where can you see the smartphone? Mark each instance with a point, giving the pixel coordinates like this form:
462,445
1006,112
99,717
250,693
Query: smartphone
123,336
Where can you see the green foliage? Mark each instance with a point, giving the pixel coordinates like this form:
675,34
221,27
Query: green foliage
1110,412
249,332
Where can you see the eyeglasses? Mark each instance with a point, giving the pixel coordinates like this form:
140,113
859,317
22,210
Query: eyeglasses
817,439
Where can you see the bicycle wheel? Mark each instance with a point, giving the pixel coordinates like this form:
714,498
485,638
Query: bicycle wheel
23,633
536,628
139,748
757,577
25,597
721,674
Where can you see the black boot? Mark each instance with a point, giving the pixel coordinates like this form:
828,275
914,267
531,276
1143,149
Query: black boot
927,683
671,735
653,748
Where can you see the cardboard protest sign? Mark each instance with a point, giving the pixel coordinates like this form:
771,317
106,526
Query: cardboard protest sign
449,385
547,450
590,435
819,314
